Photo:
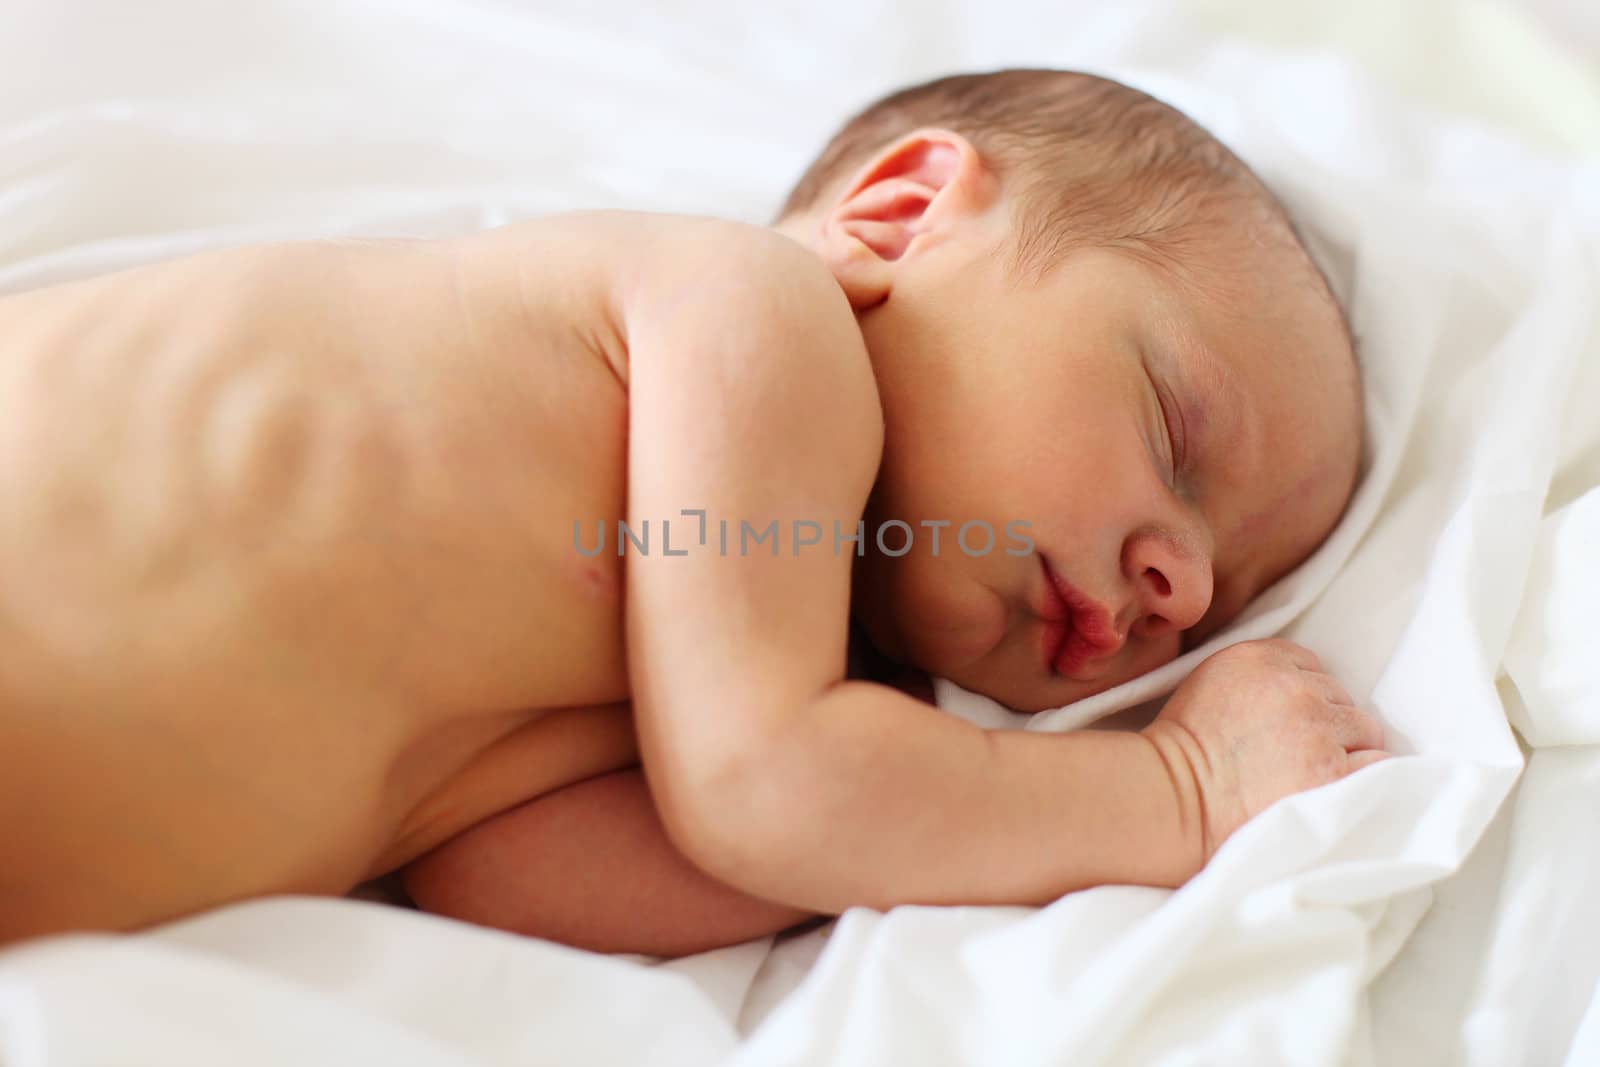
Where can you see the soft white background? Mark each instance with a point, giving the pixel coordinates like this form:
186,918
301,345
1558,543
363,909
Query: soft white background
1443,156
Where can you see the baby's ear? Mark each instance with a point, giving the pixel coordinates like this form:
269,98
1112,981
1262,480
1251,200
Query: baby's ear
888,201
907,189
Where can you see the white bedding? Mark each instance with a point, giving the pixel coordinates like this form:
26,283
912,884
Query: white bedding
1438,908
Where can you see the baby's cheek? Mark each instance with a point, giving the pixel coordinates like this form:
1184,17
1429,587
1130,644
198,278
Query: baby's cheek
949,623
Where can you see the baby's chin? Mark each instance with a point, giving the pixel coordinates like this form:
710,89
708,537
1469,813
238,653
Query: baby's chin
1035,696
1033,690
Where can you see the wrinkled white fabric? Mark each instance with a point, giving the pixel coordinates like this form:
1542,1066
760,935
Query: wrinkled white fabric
1436,908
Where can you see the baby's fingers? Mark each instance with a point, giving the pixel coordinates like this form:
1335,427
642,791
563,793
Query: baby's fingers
1354,729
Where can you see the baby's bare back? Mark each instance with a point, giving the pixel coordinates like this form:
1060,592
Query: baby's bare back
288,591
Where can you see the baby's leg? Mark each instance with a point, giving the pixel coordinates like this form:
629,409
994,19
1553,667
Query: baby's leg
589,865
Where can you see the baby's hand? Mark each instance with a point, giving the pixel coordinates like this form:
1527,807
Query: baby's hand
1256,722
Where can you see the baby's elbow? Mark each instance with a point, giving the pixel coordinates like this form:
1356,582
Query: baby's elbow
727,827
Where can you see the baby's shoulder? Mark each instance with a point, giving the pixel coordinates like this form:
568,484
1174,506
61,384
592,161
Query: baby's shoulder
706,273
692,260
732,284
683,254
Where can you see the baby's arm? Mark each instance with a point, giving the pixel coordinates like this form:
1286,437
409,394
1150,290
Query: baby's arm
590,866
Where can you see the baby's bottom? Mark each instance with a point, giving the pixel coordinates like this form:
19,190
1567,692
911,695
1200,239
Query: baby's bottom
589,865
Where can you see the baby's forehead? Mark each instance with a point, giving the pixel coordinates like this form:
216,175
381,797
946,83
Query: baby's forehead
1260,314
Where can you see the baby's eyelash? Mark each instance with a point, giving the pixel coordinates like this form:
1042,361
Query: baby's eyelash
1173,417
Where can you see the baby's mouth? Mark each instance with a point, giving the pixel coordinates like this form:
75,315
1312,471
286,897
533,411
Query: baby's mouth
1078,631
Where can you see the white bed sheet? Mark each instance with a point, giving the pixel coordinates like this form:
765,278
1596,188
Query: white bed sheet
1433,909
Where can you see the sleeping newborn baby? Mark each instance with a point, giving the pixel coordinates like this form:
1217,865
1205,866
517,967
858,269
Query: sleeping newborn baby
524,563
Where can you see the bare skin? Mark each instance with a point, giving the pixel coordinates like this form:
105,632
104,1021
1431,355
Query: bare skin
290,597
283,606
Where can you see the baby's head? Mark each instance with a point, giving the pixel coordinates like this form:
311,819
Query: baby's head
1091,321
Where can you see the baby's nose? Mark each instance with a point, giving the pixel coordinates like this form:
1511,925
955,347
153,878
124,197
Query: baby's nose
1172,587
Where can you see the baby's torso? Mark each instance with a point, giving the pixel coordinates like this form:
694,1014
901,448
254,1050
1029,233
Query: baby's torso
288,584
